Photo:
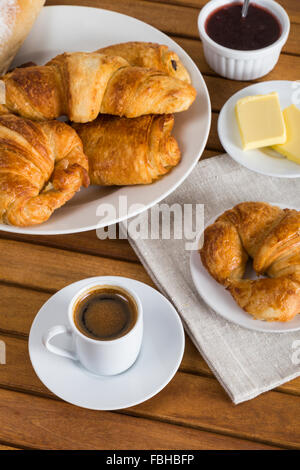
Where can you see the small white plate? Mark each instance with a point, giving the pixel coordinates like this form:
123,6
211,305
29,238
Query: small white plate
71,28
158,361
221,301
265,160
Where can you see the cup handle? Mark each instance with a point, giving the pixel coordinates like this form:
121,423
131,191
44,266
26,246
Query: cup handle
54,331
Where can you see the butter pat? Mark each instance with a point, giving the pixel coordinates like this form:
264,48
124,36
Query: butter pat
260,121
291,148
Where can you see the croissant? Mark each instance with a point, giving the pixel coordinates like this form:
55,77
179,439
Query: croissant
150,55
42,165
125,151
271,237
83,84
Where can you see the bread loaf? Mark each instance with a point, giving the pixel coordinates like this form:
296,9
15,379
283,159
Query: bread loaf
16,20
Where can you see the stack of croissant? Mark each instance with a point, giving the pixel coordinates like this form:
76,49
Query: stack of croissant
120,102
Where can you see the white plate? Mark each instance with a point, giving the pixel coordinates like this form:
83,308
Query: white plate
69,28
160,356
265,160
221,301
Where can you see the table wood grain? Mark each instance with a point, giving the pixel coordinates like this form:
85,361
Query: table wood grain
193,411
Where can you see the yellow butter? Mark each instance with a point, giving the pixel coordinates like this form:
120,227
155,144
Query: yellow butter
260,121
291,148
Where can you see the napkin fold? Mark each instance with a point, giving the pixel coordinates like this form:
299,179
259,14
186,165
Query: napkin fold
246,363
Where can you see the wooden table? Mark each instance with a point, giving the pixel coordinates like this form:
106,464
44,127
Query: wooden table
193,411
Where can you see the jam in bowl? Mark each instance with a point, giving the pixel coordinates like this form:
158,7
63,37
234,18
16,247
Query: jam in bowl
243,48
227,27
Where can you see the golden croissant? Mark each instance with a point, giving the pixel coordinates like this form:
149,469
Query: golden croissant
42,165
271,237
81,85
150,55
125,151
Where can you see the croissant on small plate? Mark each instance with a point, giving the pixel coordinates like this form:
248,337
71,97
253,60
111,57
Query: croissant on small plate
125,151
42,165
81,85
150,55
271,237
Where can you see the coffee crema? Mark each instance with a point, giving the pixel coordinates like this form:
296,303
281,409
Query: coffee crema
105,313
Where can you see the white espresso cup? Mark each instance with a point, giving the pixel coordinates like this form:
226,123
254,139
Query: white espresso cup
102,357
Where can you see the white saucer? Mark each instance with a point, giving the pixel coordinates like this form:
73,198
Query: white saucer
221,301
265,160
159,359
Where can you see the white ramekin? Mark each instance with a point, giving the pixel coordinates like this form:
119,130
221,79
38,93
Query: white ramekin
242,65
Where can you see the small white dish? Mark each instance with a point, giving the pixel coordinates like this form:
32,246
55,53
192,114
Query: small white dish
55,32
263,160
242,65
159,358
221,301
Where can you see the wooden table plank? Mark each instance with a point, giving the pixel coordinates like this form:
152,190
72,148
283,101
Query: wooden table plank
194,402
213,141
226,88
84,242
292,44
3,447
288,66
39,423
189,399
17,299
49,269
291,6
18,308
172,19
199,401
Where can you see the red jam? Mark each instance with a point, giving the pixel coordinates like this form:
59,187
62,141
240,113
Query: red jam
259,29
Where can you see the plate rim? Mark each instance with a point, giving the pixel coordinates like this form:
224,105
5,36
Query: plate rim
206,299
34,230
169,376
223,142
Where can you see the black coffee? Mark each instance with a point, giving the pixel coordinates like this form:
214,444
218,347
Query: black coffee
105,313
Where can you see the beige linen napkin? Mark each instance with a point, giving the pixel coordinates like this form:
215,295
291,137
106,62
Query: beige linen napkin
246,362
